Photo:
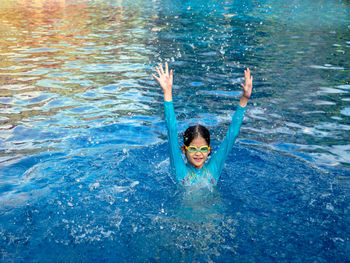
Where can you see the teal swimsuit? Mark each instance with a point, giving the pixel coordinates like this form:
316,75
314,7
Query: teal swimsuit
186,173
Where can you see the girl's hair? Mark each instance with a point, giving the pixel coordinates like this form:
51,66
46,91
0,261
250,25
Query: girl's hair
193,132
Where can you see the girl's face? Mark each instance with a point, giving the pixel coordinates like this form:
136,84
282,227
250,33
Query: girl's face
197,159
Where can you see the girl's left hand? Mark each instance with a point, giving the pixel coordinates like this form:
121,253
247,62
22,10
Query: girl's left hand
248,85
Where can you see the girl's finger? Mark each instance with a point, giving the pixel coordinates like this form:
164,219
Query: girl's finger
158,70
166,68
155,77
161,69
247,75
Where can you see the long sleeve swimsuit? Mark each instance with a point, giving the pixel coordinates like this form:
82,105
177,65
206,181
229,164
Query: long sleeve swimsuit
188,174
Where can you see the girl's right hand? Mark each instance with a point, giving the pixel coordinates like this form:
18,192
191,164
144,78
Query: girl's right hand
165,80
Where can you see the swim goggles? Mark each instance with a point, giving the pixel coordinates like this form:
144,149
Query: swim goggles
193,149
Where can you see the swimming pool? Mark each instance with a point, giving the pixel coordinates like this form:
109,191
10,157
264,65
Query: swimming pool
84,162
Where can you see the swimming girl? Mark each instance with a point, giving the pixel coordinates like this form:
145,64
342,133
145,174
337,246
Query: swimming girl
197,138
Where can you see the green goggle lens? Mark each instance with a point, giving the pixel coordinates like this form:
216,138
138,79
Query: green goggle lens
193,149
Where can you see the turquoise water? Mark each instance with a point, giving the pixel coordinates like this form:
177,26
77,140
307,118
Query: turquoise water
84,168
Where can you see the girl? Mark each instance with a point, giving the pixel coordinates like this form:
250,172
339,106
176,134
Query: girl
197,138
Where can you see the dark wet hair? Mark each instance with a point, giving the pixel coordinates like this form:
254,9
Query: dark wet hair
193,132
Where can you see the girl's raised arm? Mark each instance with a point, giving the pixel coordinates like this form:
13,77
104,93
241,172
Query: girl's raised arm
218,159
165,79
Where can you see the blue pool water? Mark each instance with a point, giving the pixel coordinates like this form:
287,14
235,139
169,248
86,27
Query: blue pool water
84,163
